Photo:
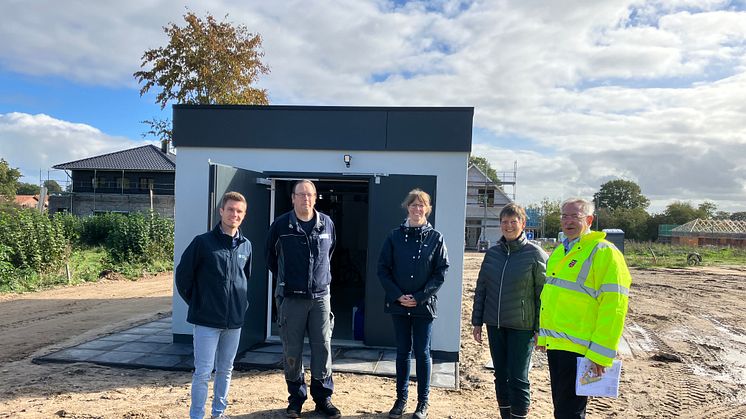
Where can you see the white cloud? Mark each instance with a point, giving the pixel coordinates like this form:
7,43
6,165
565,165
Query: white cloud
38,142
648,90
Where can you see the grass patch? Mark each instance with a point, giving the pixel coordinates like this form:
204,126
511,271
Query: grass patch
650,255
86,264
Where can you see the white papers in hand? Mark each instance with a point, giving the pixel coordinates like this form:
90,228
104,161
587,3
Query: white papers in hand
589,384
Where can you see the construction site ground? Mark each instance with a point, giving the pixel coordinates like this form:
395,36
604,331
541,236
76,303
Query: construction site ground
686,329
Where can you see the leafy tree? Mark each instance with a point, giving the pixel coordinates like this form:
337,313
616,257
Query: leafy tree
484,165
159,128
205,62
707,210
23,188
738,216
550,212
634,221
8,180
52,186
722,215
620,193
679,212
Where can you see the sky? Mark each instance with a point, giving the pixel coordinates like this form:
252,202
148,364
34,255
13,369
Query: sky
573,93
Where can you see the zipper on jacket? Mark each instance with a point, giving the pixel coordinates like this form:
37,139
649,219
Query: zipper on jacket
523,310
502,279
229,285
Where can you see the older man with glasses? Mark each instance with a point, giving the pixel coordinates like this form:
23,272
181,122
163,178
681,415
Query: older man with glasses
583,305
299,249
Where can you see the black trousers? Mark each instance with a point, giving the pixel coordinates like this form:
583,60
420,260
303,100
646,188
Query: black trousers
563,366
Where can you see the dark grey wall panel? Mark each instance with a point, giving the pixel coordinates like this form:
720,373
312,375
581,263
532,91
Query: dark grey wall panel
427,130
268,127
323,127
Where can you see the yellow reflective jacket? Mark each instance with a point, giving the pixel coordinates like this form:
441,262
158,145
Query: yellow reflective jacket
584,301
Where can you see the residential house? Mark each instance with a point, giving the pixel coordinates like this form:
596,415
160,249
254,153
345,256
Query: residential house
134,180
484,200
30,201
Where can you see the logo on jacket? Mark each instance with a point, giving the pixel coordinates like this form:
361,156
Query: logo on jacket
572,263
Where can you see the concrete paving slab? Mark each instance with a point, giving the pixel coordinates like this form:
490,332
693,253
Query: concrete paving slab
176,349
354,365
116,358
364,354
158,361
260,360
151,346
105,345
75,354
122,337
157,339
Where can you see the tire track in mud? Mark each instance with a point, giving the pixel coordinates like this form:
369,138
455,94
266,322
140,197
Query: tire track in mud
682,392
720,412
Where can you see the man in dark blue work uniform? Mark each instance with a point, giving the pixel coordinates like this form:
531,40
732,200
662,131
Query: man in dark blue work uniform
299,250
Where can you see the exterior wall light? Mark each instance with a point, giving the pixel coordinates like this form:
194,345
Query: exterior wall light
347,160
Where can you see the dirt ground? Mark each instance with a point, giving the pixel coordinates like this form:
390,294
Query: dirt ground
686,328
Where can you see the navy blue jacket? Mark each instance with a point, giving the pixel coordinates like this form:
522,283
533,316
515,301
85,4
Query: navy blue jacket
212,278
413,260
301,263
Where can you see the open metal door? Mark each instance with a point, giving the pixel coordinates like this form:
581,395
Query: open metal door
256,189
384,214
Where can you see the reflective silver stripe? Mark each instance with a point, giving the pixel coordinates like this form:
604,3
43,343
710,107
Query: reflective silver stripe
614,288
586,268
602,350
592,346
562,335
572,286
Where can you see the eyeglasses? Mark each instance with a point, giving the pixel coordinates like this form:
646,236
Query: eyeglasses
304,195
572,216
418,206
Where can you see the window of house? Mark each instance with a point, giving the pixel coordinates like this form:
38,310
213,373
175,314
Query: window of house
146,183
489,194
98,182
123,183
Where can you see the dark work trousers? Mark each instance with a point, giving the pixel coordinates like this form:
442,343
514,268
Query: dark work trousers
511,356
413,333
563,367
296,318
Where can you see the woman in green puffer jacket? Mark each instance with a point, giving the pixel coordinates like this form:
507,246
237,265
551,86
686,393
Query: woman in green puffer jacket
507,301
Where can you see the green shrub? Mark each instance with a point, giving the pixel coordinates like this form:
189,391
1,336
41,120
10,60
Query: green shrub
95,229
71,226
141,238
36,242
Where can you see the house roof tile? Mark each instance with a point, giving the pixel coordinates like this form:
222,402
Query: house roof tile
147,157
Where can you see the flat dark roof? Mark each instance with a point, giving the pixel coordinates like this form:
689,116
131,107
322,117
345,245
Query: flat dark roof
324,127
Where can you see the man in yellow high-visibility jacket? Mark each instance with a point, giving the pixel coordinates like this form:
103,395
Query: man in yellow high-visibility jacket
583,305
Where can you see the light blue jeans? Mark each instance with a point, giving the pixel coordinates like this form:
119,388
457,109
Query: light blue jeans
212,348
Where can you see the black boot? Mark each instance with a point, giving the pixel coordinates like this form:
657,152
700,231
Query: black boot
396,412
327,408
421,411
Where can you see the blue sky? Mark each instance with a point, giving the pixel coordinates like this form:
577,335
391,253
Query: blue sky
576,93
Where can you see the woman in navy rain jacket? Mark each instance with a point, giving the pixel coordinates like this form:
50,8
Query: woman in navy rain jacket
412,267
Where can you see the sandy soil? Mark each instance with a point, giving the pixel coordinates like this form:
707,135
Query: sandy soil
686,328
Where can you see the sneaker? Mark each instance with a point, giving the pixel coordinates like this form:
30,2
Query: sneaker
293,410
327,408
421,411
400,405
221,416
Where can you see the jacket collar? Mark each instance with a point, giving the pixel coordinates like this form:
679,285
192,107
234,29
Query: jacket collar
294,222
218,232
516,244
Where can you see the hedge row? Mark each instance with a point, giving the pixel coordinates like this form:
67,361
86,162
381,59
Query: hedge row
35,243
